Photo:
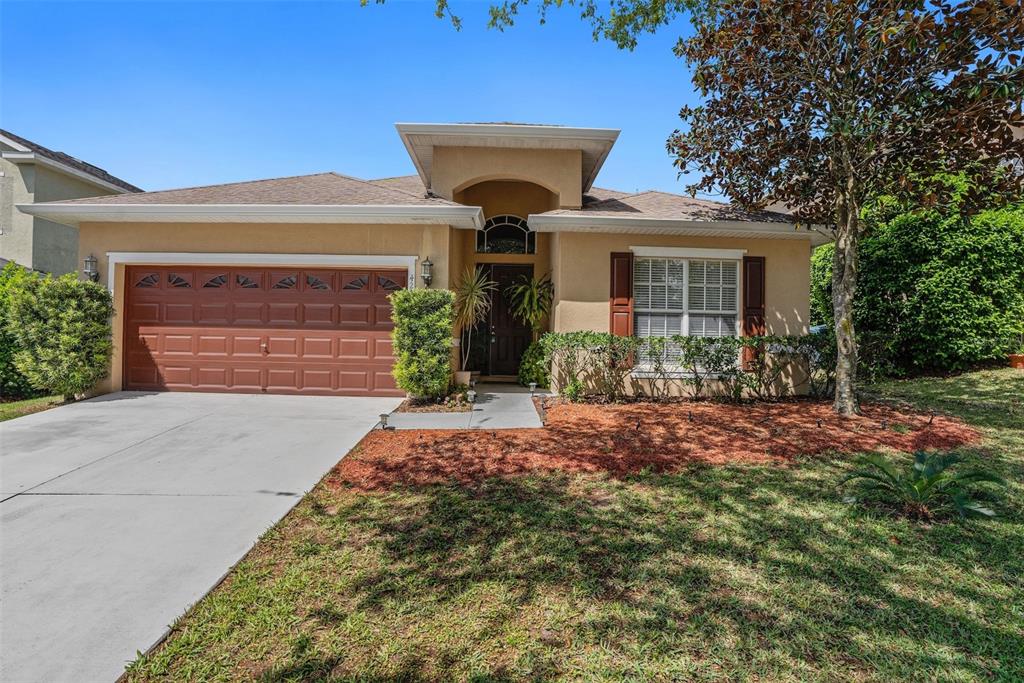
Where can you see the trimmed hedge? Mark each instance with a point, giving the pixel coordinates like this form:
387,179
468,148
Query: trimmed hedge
937,291
600,364
534,367
424,323
62,328
13,384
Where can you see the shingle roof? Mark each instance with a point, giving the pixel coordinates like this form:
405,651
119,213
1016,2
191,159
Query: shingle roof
667,206
73,162
327,189
412,184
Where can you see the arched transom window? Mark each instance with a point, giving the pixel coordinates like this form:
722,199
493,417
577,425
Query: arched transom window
506,235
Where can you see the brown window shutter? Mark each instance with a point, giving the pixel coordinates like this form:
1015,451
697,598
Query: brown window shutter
621,321
753,301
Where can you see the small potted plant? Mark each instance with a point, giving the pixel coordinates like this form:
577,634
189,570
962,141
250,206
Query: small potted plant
472,304
1016,355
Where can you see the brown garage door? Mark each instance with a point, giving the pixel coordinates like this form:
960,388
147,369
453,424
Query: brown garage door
249,330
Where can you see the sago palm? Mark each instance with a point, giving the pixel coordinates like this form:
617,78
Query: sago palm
928,486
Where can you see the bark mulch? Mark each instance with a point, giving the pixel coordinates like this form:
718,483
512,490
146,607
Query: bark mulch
624,439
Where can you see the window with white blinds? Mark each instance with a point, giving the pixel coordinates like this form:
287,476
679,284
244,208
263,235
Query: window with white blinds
695,297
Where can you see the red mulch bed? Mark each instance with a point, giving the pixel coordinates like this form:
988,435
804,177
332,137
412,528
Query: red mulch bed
624,439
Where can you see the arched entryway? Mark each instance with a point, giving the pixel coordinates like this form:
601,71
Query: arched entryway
506,234
508,251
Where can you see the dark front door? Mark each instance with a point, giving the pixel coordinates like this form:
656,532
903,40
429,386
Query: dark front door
509,337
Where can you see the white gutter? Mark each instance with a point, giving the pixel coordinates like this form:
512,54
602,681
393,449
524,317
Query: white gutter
466,217
509,130
34,158
667,226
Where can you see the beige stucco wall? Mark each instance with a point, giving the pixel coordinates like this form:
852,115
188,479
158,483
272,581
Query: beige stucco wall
421,241
582,276
498,198
581,273
17,186
37,242
456,168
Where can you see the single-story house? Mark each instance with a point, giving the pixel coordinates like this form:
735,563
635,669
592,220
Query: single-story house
281,285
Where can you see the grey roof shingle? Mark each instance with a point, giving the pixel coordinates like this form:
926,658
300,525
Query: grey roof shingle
73,162
326,189
668,206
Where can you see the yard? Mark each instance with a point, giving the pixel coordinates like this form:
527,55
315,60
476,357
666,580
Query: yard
12,409
706,546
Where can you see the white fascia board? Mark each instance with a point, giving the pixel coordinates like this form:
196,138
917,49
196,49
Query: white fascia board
689,252
13,143
167,258
661,226
511,130
33,158
465,217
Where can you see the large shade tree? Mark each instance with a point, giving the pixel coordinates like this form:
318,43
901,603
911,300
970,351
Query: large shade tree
821,104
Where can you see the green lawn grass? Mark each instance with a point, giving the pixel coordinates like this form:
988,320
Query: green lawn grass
13,409
716,573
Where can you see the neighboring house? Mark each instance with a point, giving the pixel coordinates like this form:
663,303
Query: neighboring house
281,285
31,173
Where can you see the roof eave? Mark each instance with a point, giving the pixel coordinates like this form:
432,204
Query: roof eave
666,226
464,217
606,136
29,157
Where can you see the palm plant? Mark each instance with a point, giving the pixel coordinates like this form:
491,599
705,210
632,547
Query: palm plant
531,301
928,487
472,303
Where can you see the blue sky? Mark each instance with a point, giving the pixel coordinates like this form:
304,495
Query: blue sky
189,93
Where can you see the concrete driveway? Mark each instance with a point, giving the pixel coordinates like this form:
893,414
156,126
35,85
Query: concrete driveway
120,512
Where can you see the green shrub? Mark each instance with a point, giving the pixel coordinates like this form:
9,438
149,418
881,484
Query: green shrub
62,328
424,323
937,291
535,366
818,353
927,487
13,384
600,364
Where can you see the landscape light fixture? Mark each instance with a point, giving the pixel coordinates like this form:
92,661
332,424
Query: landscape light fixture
427,272
384,421
471,396
90,270
533,388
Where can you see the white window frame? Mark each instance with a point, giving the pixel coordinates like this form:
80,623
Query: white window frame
685,255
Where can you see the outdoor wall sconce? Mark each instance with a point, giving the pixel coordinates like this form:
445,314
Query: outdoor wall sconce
90,270
427,272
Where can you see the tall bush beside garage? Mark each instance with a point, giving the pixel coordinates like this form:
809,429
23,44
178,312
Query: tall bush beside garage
13,384
424,321
62,328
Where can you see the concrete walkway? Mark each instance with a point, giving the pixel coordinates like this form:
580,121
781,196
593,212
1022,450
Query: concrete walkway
498,406
120,512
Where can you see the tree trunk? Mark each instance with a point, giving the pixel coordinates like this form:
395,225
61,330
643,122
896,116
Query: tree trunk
844,284
465,352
